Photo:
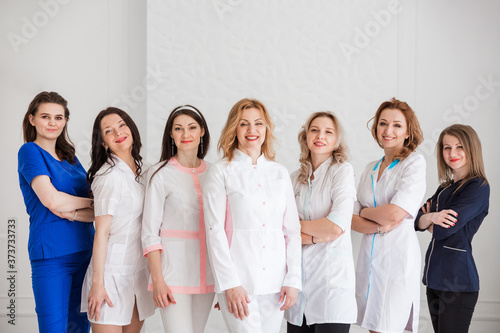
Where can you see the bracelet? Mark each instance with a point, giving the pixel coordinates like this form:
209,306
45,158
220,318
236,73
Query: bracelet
76,214
381,233
312,240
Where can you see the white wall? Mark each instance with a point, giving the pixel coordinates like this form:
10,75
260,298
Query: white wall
433,54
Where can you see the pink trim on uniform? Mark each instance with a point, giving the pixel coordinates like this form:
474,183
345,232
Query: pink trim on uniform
178,166
152,248
187,290
179,234
228,225
200,234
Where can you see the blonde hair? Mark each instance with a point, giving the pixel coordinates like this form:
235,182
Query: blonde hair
339,153
228,141
473,153
415,135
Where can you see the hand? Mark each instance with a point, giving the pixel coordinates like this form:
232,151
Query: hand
289,296
237,300
427,208
97,296
445,218
389,227
162,294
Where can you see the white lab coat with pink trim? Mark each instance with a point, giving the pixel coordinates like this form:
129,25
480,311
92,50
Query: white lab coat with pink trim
117,193
173,222
253,229
388,268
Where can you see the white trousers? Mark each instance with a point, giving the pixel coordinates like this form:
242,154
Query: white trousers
189,315
264,315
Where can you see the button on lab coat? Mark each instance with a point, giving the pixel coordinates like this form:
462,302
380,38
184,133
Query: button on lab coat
173,223
388,268
328,294
253,230
117,193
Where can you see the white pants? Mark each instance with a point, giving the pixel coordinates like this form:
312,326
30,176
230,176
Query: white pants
189,315
264,315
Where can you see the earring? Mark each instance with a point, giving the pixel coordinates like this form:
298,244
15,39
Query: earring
201,151
173,146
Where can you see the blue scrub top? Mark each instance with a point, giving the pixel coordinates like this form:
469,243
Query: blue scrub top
51,236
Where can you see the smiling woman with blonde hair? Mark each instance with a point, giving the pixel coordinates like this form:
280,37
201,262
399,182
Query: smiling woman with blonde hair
325,194
253,231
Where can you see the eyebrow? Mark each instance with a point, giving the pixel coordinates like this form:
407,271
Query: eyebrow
243,119
193,123
396,121
328,128
121,120
48,114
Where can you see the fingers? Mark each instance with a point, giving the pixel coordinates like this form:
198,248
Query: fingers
282,295
171,297
106,298
97,311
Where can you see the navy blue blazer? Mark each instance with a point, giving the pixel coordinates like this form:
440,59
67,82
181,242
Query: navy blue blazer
449,264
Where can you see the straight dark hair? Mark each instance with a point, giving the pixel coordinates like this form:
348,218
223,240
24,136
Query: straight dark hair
100,155
169,149
65,149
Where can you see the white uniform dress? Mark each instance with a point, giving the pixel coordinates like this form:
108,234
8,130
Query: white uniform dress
117,193
328,294
388,269
173,223
253,229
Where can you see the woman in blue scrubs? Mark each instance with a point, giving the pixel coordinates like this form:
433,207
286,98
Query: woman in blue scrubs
453,215
56,195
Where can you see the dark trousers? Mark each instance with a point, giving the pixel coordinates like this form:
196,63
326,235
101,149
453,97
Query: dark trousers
318,328
57,287
451,311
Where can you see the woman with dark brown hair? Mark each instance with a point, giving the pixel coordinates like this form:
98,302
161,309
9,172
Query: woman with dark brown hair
56,195
453,215
389,194
115,289
173,227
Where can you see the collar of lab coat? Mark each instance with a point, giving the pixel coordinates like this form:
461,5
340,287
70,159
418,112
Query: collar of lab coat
120,164
242,157
178,166
321,169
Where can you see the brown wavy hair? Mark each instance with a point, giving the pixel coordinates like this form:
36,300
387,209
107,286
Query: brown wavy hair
228,141
65,149
340,152
415,135
99,155
473,153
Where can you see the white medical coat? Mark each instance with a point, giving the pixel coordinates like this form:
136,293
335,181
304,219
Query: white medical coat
117,193
388,268
253,229
173,222
328,291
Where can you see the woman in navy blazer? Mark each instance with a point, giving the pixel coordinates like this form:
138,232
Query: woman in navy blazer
56,194
453,215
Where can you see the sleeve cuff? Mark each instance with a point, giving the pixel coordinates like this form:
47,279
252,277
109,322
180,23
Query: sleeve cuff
339,220
152,248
